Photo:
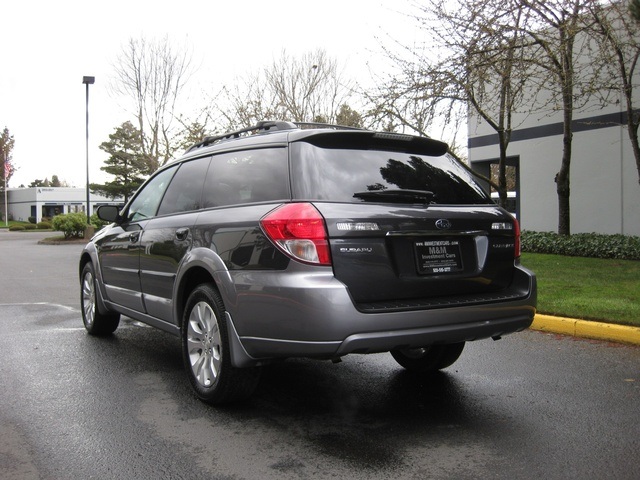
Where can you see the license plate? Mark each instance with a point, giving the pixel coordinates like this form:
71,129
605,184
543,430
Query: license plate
436,257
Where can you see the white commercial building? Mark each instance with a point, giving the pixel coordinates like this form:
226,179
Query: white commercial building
605,188
39,202
605,193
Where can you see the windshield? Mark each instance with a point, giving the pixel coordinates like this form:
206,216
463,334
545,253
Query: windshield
345,175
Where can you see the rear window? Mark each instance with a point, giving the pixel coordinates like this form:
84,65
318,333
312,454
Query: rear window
346,175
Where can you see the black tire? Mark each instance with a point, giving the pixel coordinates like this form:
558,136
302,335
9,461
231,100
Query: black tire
428,359
95,322
205,351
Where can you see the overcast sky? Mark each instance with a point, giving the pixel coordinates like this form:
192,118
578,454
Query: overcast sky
48,46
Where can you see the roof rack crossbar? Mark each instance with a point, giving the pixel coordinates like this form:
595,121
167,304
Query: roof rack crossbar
263,126
324,125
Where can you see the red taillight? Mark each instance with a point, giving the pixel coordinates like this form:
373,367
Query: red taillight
299,230
516,231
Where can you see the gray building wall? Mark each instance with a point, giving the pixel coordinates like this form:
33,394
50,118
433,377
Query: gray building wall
605,193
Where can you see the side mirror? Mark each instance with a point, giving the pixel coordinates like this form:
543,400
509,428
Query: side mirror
108,213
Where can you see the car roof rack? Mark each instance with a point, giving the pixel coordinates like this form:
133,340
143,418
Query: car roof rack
259,127
305,125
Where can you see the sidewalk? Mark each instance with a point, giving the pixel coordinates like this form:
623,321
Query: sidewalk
587,329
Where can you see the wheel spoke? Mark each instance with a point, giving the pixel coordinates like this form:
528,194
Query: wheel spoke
200,370
209,369
216,347
88,311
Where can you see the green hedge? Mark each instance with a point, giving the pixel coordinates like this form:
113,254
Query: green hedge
44,226
71,224
593,245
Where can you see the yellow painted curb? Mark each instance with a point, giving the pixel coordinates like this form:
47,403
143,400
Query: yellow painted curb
587,329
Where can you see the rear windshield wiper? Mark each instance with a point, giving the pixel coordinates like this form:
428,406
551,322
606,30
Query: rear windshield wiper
396,196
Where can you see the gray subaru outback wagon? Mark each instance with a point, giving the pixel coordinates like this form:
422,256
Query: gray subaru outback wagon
278,241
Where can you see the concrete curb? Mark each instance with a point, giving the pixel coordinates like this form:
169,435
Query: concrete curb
587,329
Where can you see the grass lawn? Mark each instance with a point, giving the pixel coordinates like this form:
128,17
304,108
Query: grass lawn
587,288
3,224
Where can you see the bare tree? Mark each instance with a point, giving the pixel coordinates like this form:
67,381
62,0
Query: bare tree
309,88
619,39
558,30
474,57
153,74
248,101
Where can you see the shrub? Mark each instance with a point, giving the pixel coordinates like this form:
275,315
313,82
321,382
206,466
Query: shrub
71,224
594,245
16,228
44,226
32,220
30,226
97,221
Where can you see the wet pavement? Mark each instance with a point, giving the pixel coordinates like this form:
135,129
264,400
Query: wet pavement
74,406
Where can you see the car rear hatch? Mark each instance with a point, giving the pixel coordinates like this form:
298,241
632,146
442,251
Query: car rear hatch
407,226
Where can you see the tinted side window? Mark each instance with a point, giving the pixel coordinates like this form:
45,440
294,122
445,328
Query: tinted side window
247,176
146,202
185,191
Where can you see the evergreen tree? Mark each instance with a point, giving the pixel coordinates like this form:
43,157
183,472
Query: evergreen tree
348,117
126,163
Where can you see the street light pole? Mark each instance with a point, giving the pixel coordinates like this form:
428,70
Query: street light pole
88,81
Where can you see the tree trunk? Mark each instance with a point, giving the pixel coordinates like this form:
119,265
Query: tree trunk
563,181
563,184
632,129
502,166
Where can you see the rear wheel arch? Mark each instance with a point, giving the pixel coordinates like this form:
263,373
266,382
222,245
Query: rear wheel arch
191,279
201,265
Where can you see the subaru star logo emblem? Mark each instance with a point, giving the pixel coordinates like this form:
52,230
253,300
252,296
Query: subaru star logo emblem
443,224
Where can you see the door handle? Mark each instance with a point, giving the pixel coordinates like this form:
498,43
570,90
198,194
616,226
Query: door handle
182,233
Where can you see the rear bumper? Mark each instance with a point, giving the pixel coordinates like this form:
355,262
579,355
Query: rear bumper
382,341
310,314
373,342
392,340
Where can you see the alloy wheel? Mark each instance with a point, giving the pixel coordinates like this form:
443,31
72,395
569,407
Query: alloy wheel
204,344
88,298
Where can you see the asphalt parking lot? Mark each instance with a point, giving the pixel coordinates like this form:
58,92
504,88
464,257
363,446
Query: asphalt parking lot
74,406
